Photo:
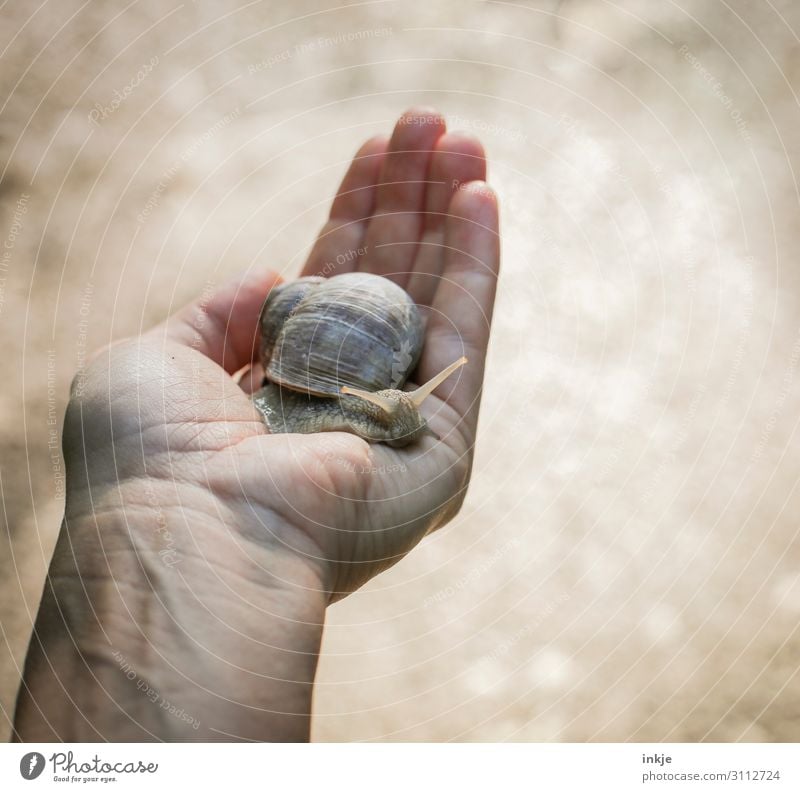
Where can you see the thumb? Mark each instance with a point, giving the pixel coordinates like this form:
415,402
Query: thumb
223,323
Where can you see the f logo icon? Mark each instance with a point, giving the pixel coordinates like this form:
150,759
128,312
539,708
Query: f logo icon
31,765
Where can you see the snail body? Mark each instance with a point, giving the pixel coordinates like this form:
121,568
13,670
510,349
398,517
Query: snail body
337,352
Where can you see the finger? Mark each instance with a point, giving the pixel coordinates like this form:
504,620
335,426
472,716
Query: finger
339,243
461,313
395,228
223,324
458,159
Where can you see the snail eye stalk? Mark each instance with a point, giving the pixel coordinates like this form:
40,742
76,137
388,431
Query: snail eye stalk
420,394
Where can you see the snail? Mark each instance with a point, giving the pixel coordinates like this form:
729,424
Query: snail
336,353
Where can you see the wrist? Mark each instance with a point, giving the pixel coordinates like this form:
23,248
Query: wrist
164,618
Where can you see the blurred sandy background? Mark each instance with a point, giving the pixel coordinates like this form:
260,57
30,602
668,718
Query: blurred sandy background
627,564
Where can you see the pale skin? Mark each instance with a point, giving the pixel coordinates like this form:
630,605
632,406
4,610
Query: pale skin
187,594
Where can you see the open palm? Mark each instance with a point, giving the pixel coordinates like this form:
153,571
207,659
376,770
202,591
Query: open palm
413,208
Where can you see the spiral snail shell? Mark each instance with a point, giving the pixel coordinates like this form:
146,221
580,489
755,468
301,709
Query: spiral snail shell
337,352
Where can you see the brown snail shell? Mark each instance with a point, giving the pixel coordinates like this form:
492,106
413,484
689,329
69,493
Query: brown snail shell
336,352
355,329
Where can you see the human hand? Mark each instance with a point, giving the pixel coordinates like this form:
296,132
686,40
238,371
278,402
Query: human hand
416,210
176,492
